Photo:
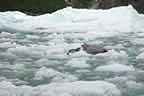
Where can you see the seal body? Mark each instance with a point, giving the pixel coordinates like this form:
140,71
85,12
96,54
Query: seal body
93,49
90,49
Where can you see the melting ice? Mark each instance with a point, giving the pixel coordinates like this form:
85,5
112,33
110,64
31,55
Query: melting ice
33,60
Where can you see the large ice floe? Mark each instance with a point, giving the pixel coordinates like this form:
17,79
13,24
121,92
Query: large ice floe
79,88
34,60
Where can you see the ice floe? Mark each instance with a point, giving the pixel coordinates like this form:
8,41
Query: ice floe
80,88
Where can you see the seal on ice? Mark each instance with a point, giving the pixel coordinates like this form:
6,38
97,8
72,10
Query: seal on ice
90,49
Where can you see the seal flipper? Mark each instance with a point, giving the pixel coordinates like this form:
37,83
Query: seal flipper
73,50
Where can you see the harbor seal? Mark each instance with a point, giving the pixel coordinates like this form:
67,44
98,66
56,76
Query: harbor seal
90,49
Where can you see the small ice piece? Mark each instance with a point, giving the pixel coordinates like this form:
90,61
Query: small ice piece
54,50
6,45
135,88
9,89
96,42
77,63
6,35
118,80
2,79
139,76
140,57
83,71
47,73
18,67
32,37
6,88
115,68
138,41
61,56
46,62
53,75
140,35
65,78
65,94
42,62
116,47
27,52
8,56
114,56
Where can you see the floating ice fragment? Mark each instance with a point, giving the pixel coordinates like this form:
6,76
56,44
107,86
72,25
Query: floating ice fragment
115,68
43,62
6,35
77,63
138,41
44,72
119,57
140,57
7,45
27,52
134,88
7,56
53,75
32,37
65,78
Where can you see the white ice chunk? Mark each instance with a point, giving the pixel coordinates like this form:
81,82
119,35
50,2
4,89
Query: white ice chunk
138,41
43,62
27,52
7,45
115,68
140,57
32,37
77,63
8,56
44,72
6,35
135,88
53,75
119,57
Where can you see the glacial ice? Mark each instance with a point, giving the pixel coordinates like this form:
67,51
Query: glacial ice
34,60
